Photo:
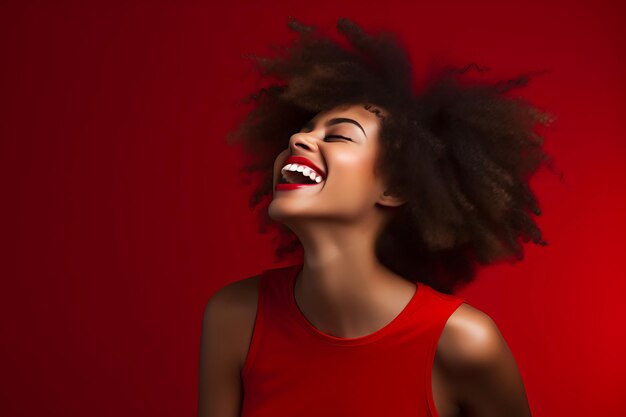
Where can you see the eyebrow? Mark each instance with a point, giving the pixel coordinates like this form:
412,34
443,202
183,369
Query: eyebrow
335,121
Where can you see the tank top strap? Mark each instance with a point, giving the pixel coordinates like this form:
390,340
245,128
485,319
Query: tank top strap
440,307
271,307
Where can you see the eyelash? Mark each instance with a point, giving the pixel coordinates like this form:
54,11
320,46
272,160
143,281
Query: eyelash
337,136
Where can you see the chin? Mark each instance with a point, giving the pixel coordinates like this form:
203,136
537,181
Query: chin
282,213
286,212
275,212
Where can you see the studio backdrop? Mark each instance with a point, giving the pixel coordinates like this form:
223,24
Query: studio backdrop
123,209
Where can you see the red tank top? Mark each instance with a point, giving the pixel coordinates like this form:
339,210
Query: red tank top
294,370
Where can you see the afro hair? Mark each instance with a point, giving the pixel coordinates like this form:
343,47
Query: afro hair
460,152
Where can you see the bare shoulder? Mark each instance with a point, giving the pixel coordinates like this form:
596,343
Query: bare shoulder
482,372
237,296
227,319
234,306
470,338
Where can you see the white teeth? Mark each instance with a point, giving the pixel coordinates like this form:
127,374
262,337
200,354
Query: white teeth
306,171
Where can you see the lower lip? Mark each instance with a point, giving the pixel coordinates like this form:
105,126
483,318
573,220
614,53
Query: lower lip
287,187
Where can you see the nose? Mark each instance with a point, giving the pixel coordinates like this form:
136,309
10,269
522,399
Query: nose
302,140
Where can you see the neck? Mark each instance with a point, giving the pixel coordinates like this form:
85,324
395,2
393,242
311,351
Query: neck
342,272
340,258
343,288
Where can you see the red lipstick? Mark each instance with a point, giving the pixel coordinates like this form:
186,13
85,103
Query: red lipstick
286,187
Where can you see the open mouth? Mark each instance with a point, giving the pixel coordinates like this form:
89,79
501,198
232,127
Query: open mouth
294,176
299,174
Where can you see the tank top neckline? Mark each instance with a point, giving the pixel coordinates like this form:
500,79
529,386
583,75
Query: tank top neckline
352,341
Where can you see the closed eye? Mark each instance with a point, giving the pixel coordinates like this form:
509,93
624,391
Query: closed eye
337,136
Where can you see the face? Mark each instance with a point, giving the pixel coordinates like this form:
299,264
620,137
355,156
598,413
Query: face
344,144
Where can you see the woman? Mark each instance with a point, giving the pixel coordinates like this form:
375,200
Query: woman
393,197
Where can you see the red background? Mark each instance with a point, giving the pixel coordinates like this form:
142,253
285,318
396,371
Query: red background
122,211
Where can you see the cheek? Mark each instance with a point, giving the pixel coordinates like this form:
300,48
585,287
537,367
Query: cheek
361,162
358,169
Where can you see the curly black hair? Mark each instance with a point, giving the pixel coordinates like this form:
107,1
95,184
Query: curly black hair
460,152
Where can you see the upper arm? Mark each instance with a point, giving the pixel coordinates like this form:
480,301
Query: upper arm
219,382
483,371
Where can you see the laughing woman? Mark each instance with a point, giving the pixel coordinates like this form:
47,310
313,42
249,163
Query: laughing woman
394,197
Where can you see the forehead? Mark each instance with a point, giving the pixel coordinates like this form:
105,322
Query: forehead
365,116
